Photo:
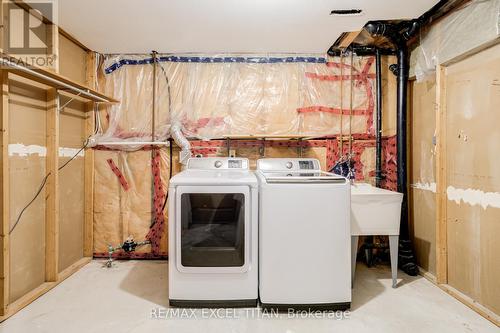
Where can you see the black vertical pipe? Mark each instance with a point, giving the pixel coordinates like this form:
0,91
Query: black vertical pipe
378,167
402,78
399,35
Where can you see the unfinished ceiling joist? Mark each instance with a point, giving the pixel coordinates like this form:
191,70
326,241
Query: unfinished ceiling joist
53,80
346,39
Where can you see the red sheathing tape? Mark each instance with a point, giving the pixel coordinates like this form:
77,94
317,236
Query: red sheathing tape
363,79
156,231
389,163
194,126
327,109
335,77
331,154
118,174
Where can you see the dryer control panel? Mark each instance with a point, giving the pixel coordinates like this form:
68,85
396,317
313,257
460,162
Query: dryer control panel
218,163
290,164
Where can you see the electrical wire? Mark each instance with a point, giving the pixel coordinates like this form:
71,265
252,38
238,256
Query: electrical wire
168,87
43,183
40,188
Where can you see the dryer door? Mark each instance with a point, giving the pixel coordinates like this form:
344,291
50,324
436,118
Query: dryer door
213,229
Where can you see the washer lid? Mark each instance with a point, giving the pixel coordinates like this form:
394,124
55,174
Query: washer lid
293,177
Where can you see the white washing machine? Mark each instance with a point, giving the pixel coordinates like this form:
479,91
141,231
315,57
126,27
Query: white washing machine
304,236
213,234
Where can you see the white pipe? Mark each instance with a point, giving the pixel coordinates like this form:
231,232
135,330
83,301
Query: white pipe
181,141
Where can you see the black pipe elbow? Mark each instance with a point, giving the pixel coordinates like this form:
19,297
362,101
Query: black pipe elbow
412,30
376,28
387,30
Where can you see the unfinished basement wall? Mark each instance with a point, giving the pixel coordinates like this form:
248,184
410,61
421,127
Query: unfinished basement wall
27,106
216,96
473,178
455,139
422,191
72,60
27,168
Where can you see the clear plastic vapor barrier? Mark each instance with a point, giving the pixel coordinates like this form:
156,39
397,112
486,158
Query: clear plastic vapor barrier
220,95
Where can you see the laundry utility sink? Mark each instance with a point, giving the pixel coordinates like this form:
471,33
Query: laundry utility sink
375,211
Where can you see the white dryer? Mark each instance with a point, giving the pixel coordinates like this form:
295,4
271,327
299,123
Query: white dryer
304,236
213,231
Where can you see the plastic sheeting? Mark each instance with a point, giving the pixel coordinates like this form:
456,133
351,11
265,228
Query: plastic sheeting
472,27
218,96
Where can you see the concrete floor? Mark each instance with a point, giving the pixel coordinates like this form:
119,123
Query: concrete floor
125,298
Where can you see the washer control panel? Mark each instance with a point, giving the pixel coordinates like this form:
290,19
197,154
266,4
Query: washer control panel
218,163
291,164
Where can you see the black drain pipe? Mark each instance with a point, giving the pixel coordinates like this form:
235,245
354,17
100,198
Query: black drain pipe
401,139
378,166
399,34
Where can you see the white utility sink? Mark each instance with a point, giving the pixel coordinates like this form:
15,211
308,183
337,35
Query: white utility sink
375,211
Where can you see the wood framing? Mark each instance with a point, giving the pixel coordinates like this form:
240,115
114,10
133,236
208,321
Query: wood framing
2,26
52,189
27,299
88,228
441,174
64,274
52,166
4,196
57,84
42,289
52,275
50,77
53,33
486,313
347,38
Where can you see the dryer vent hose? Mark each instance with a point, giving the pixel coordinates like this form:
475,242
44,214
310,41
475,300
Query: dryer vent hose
181,141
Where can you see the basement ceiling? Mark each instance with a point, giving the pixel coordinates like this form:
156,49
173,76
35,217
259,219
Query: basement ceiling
222,26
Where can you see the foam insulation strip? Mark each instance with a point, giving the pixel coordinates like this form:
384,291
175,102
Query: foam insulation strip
473,197
18,149
425,186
